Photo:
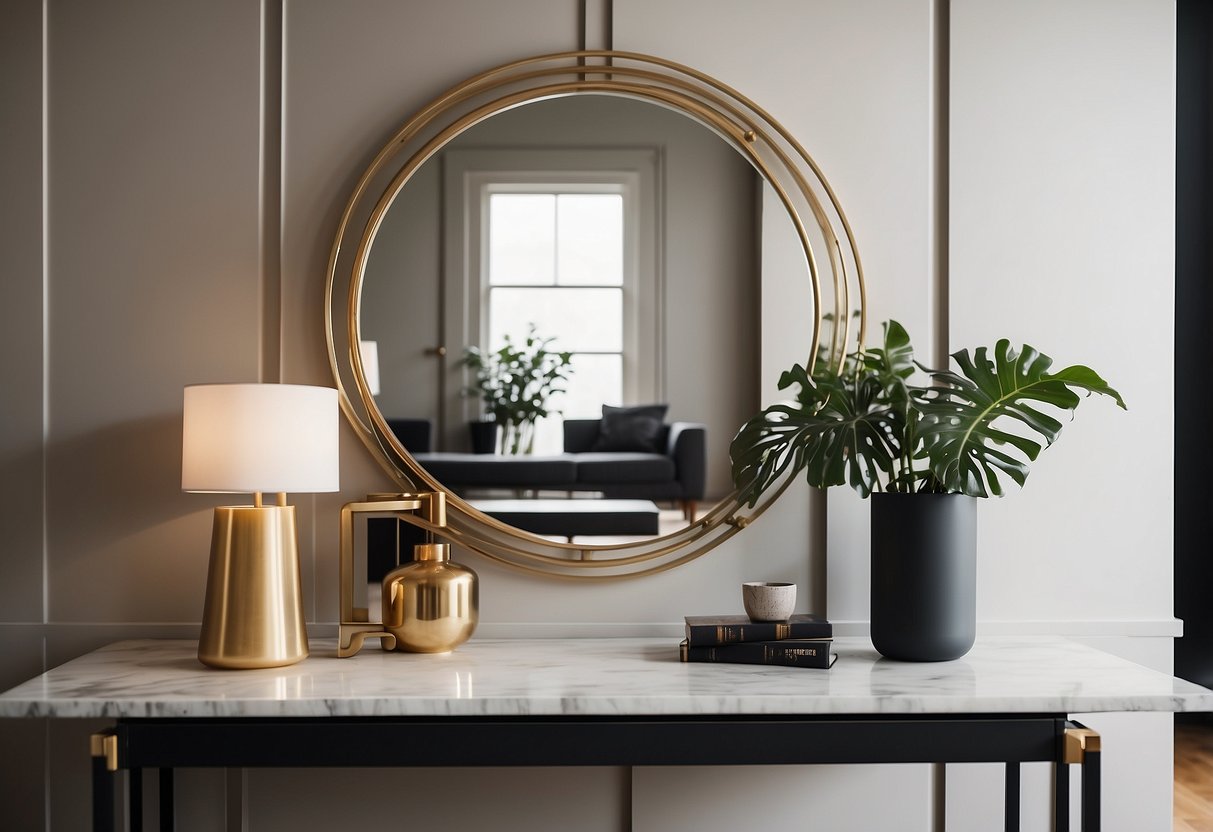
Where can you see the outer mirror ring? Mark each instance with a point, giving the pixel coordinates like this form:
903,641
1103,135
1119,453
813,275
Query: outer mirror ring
779,158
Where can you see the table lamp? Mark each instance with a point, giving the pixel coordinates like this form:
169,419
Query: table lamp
255,438
369,350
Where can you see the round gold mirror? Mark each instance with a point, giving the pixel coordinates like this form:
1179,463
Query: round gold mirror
621,210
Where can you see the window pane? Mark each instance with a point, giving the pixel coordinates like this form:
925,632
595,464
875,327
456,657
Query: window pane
579,319
522,238
589,244
596,380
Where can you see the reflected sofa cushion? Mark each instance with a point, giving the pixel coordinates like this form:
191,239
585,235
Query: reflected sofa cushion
635,429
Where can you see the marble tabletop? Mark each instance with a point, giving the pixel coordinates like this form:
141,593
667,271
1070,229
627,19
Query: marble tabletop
162,678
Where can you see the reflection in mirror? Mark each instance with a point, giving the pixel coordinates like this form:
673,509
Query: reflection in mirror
627,233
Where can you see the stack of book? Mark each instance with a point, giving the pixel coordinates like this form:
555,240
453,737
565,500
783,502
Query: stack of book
801,641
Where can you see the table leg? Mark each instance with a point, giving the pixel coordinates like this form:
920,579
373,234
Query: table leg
939,797
1011,800
134,798
168,820
104,749
1061,797
1090,792
1082,746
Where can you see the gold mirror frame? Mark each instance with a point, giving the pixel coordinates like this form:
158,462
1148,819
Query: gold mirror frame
775,153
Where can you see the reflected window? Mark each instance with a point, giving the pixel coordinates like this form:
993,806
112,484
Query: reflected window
556,260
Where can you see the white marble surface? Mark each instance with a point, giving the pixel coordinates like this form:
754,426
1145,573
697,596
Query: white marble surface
162,678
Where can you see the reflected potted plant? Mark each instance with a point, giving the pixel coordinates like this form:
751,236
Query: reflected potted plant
515,382
923,453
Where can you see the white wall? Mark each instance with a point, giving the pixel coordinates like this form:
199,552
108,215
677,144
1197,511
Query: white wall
152,273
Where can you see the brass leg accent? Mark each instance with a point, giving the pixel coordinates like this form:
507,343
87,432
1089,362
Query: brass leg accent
1082,747
1080,741
105,745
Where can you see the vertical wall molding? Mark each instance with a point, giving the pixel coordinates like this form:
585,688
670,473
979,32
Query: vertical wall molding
596,24
46,286
939,182
270,190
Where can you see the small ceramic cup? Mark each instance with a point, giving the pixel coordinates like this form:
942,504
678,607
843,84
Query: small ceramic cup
767,601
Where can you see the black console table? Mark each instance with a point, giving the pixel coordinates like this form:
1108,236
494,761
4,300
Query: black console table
600,702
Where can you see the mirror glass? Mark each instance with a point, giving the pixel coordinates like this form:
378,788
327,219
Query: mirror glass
628,234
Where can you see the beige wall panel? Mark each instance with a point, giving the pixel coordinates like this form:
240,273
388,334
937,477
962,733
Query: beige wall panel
851,80
586,799
720,798
153,212
21,331
22,765
22,741
21,647
65,642
1062,236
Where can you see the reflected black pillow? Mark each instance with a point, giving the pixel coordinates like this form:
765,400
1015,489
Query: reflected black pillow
631,428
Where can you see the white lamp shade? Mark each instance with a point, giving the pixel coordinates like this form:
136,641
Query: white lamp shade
370,364
244,438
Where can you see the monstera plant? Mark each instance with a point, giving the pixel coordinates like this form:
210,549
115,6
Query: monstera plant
865,424
923,451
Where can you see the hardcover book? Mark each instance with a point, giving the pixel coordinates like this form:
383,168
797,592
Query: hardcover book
791,652
705,630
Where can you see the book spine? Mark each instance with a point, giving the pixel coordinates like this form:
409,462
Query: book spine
700,635
774,653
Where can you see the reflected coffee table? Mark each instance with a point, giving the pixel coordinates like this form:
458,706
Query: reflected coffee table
574,517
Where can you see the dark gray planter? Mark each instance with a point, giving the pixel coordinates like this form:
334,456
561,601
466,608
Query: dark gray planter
484,437
924,575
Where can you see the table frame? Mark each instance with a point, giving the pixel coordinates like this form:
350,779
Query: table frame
134,744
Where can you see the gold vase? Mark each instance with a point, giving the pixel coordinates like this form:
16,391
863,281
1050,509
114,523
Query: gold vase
431,605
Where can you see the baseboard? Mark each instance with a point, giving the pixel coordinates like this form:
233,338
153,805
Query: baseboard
1088,628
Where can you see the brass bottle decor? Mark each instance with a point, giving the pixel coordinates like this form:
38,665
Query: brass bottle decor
431,605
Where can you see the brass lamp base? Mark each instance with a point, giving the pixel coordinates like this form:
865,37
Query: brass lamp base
253,615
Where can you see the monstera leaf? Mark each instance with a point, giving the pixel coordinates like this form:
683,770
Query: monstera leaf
893,361
892,364
839,431
983,424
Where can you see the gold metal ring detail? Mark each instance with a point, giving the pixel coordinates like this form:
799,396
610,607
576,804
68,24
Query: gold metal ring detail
792,174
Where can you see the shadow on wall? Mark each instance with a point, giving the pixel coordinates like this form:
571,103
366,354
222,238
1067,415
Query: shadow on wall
124,543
